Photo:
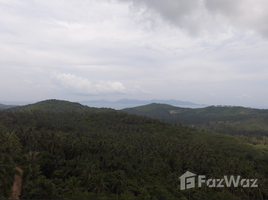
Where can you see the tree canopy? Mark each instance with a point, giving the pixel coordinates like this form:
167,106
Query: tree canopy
111,154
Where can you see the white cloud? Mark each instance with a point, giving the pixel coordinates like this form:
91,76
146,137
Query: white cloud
210,93
244,96
79,85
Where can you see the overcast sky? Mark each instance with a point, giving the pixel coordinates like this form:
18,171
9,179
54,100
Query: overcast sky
205,51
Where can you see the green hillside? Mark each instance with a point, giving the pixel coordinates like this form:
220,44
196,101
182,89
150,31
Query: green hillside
54,105
2,106
227,120
116,155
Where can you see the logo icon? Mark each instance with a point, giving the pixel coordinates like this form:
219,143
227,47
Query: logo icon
188,178
188,181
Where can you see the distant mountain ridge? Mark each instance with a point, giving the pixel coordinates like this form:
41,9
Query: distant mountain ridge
232,120
222,119
3,106
135,101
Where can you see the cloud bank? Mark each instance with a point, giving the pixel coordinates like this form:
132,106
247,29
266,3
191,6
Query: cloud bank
82,86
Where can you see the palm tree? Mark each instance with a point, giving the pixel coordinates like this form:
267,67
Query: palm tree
7,172
119,179
111,162
73,185
173,181
10,154
50,141
143,193
32,158
98,184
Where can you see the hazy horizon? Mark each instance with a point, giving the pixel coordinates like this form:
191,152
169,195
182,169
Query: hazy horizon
119,106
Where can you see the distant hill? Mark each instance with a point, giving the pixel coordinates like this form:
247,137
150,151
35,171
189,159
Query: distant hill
151,108
222,119
171,101
135,101
2,106
54,105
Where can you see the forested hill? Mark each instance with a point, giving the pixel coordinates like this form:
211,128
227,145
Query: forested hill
116,155
2,106
56,106
222,119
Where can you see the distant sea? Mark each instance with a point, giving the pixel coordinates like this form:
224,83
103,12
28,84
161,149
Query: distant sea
17,103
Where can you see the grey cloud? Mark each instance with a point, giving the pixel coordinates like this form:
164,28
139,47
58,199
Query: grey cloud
181,13
208,15
245,14
226,7
175,11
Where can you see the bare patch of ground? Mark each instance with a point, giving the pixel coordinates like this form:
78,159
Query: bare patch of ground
16,188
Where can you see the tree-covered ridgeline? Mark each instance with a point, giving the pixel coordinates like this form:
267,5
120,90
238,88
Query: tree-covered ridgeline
112,154
229,120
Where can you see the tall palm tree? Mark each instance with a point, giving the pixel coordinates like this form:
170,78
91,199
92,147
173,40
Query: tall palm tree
10,154
31,158
50,141
119,180
98,184
73,185
173,181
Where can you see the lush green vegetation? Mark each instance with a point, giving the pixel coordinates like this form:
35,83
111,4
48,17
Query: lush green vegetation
57,106
226,120
107,154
